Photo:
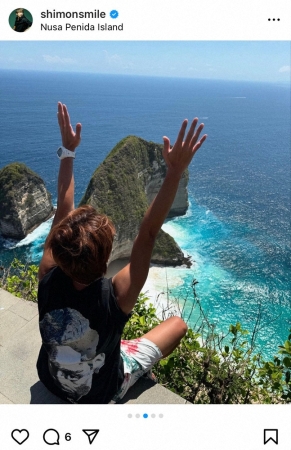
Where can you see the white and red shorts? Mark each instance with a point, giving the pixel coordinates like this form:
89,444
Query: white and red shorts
139,355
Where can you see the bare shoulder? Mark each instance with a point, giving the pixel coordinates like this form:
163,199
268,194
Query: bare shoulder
46,264
125,293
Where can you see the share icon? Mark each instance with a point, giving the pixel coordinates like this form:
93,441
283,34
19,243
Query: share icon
91,434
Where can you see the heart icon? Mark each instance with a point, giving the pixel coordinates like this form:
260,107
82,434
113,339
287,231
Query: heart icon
20,436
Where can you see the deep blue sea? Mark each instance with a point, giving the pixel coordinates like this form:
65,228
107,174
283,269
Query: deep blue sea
237,228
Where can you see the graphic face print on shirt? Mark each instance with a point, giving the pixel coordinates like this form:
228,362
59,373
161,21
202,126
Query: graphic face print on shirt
71,345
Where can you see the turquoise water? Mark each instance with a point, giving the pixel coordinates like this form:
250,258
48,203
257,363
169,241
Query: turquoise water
237,228
227,293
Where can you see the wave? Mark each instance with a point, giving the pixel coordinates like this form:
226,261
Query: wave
32,244
38,235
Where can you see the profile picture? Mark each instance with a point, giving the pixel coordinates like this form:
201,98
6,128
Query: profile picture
20,20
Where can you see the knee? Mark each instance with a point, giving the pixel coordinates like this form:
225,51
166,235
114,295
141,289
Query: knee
180,326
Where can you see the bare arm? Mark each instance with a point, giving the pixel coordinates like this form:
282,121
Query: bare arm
70,140
65,205
130,280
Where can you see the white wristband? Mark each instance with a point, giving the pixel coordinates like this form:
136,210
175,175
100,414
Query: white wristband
63,152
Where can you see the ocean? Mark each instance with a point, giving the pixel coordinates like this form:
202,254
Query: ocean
237,228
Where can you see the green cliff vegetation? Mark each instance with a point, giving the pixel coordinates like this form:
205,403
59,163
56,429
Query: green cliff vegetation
118,189
20,279
115,189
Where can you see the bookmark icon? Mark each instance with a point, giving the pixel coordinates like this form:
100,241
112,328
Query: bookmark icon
270,435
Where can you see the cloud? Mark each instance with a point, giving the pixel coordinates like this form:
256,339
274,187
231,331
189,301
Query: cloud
285,69
112,59
57,60
116,61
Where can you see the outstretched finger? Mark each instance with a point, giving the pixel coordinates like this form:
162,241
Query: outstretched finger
181,134
199,143
191,132
166,148
78,131
60,115
67,122
196,135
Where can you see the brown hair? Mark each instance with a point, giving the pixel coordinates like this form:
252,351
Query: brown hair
81,244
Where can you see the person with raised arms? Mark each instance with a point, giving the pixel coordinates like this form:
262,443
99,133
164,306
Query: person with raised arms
81,312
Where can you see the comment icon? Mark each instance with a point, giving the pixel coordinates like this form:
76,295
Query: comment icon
51,437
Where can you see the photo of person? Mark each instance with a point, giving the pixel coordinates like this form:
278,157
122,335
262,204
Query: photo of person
20,20
204,303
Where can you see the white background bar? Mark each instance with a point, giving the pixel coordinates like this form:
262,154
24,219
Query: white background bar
159,20
201,427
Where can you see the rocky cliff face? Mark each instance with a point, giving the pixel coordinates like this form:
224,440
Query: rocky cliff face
153,181
123,186
24,201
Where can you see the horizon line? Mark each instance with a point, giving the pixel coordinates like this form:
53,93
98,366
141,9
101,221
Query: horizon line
143,76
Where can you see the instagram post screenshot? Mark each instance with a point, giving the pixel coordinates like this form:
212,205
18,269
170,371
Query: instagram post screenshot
145,268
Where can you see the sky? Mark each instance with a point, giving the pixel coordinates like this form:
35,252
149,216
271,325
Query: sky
265,61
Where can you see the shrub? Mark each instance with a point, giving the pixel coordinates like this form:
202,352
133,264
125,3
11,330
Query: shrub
20,280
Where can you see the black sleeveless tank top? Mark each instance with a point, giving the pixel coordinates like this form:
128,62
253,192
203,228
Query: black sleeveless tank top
79,360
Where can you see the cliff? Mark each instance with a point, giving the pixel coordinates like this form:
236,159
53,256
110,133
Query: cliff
24,201
123,186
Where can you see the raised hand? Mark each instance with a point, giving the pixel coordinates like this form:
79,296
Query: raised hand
70,138
180,155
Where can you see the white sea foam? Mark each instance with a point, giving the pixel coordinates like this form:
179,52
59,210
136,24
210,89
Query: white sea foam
160,282
178,231
36,235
